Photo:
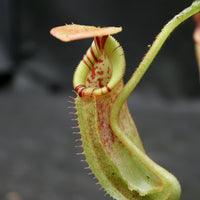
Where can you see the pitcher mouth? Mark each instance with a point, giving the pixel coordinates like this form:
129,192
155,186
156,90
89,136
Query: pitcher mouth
101,68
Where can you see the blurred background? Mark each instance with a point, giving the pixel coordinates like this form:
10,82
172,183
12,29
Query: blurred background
37,149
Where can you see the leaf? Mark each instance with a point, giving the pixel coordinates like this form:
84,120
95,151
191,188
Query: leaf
76,32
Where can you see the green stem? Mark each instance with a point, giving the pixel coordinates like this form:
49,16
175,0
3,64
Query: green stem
147,60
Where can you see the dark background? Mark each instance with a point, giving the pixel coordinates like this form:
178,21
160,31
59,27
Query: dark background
37,153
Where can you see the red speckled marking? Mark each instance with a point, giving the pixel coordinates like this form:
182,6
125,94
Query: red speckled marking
88,80
93,55
86,63
89,59
108,71
100,42
91,95
104,105
112,134
100,82
100,73
97,42
97,77
116,48
100,61
109,90
102,124
93,70
103,41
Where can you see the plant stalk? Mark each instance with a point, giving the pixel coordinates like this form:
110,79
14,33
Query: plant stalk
149,57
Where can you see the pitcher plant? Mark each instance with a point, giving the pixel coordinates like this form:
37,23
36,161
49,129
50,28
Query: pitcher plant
109,137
